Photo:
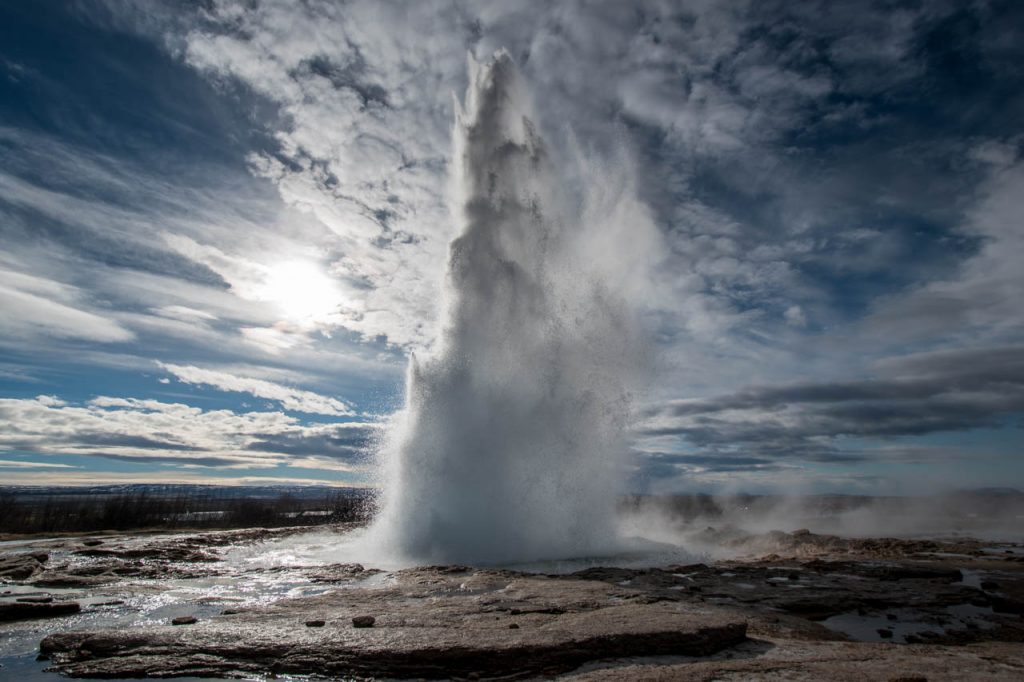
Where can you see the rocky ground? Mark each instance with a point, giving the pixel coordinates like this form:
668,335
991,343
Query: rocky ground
784,606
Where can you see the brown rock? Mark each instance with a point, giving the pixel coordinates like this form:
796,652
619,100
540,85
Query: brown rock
363,621
62,579
22,566
438,626
184,620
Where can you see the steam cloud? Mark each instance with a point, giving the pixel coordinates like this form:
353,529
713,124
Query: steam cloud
508,447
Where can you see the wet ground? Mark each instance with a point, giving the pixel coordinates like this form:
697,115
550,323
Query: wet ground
281,603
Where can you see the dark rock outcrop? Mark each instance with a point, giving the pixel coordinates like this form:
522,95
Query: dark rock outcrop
22,610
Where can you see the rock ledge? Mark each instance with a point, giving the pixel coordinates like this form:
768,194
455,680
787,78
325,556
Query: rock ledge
429,624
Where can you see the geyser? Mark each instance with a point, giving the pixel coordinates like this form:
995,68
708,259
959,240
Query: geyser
508,448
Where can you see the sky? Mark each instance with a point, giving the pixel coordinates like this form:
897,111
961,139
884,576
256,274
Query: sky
224,229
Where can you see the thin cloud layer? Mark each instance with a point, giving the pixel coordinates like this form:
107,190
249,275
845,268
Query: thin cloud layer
291,399
34,306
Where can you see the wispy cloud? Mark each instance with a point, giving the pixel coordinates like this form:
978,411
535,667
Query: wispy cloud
33,306
21,464
291,399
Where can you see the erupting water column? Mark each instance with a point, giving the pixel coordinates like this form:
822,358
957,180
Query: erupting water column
507,449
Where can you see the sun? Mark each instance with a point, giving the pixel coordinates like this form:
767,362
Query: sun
302,291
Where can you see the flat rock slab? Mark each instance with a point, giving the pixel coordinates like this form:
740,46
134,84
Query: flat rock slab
427,623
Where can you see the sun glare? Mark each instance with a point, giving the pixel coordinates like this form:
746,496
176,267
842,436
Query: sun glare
302,290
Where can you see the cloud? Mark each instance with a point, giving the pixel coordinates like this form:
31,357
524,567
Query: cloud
19,464
834,185
663,465
363,142
33,306
981,297
292,399
794,315
183,313
91,257
730,109
921,394
102,208
364,146
147,430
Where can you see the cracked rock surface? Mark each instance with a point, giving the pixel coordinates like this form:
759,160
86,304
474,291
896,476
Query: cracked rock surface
781,606
427,623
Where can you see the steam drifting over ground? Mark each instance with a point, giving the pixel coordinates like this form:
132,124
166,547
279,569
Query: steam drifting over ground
725,526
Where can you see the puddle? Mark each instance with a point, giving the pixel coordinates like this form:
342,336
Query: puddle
971,578
969,617
865,628
1002,551
948,555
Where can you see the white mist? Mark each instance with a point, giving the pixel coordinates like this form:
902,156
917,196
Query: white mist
509,445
